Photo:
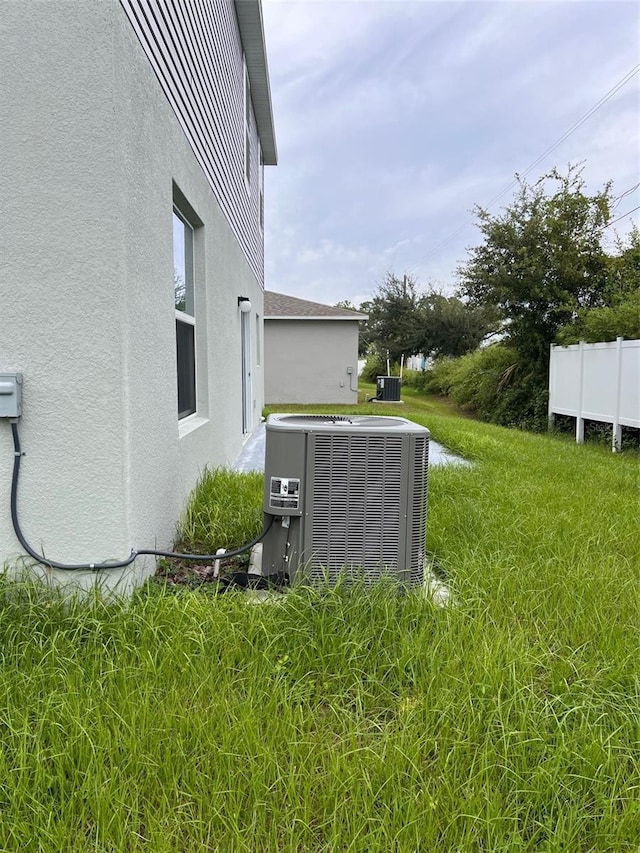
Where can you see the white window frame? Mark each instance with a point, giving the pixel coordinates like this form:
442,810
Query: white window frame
184,316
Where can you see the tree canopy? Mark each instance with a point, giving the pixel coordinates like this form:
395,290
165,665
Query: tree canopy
394,322
543,266
449,326
619,315
404,320
541,260
540,275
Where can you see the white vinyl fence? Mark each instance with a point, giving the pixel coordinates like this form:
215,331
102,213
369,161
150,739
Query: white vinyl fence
597,382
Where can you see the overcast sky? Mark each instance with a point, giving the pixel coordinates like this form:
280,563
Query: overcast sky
395,117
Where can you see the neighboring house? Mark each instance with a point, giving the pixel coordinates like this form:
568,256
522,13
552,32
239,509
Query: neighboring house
310,351
134,135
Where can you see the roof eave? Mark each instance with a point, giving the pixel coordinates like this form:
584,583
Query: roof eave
356,318
251,25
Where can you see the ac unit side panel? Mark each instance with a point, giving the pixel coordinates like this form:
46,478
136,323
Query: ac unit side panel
284,471
281,547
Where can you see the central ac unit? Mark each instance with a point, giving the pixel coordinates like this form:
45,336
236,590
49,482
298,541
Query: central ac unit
349,496
388,389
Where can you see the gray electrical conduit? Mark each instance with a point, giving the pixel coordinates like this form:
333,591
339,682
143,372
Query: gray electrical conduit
119,564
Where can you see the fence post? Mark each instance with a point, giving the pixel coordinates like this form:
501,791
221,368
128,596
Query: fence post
579,418
552,371
617,428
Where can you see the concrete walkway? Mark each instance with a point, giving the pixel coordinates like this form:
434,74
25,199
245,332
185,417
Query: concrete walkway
251,457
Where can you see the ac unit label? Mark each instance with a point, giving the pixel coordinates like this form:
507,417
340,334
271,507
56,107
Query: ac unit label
284,493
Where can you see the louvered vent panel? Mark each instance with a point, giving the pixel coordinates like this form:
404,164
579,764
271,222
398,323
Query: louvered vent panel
418,510
356,505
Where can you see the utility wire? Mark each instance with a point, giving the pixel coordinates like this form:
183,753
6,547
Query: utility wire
627,192
619,198
606,97
624,216
571,130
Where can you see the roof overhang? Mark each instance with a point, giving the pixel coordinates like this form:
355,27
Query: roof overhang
356,319
251,25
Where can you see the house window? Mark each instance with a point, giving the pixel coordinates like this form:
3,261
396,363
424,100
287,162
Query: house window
247,129
185,314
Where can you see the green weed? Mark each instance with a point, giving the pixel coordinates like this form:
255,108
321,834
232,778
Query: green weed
346,720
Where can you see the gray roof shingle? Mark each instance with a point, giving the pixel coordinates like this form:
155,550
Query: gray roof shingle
279,305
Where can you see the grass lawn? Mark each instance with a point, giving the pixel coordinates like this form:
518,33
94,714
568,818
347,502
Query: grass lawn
351,721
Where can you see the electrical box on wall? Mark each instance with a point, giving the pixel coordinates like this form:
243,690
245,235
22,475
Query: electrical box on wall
10,395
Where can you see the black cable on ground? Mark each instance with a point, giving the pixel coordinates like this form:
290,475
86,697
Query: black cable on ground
118,564
223,556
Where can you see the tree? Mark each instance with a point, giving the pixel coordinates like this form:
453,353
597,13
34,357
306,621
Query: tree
619,313
541,262
394,319
623,270
179,290
452,327
604,324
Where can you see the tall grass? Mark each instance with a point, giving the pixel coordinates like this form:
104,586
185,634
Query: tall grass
347,720
224,511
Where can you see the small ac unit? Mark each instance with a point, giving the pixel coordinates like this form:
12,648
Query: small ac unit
388,389
349,496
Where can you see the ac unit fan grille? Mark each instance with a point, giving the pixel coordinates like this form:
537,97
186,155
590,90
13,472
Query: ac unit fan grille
357,495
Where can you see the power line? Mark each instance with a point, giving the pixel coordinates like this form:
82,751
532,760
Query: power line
606,97
624,215
627,192
619,198
612,91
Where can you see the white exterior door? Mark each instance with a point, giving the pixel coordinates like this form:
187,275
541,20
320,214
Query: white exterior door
245,342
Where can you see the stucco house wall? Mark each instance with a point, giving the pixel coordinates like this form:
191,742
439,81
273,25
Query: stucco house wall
93,160
310,352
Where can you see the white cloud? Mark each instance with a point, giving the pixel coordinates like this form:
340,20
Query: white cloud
395,118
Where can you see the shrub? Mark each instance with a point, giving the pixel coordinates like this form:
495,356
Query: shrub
414,379
439,379
494,384
375,366
604,324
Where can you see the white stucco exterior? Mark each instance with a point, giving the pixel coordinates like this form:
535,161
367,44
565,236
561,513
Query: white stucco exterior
307,361
92,154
